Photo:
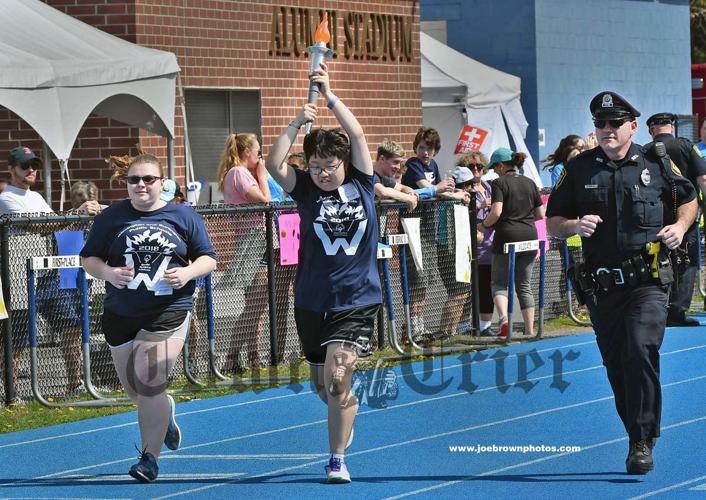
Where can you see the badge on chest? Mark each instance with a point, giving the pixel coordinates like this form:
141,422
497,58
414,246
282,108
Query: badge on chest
645,177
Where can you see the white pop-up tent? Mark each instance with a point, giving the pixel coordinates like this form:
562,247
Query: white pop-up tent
457,90
56,70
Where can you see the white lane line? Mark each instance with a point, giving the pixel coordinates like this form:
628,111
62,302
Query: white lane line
129,424
316,422
260,456
670,488
85,478
538,460
449,433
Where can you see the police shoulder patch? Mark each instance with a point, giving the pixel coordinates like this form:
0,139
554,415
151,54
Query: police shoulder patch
698,151
562,175
675,169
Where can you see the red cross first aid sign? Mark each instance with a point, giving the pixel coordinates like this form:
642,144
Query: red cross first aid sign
470,139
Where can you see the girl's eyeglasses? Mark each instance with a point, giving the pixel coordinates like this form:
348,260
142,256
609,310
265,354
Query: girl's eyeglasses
329,169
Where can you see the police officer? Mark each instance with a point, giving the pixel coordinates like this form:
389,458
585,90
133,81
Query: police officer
692,165
616,197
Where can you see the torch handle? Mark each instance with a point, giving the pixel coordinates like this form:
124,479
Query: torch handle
313,97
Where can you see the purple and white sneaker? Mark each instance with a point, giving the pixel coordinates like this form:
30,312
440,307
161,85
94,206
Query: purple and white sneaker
337,472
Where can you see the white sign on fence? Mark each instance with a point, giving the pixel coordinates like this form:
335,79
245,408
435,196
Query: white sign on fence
397,239
56,262
522,246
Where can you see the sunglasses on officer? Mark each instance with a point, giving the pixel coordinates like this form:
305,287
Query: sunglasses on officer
615,123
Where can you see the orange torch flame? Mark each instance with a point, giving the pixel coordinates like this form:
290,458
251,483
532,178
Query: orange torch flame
322,34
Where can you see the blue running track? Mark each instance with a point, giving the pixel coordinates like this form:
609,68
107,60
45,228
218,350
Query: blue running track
273,444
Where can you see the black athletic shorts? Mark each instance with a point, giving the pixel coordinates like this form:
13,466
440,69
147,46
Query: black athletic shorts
119,330
316,330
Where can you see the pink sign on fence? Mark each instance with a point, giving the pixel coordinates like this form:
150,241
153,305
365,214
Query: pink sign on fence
541,226
288,239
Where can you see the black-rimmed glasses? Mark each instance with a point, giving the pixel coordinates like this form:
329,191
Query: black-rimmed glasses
329,169
147,179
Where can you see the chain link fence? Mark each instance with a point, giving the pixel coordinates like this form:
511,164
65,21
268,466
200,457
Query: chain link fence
252,296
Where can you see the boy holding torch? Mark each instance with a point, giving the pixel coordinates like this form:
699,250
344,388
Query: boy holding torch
337,288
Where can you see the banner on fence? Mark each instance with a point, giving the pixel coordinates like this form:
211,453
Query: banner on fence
411,227
288,239
69,243
462,226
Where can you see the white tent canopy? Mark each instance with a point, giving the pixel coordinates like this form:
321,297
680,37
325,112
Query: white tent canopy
457,90
56,70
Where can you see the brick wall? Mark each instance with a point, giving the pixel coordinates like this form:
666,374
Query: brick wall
225,45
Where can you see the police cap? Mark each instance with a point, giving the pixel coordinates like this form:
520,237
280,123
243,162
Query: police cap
661,119
609,105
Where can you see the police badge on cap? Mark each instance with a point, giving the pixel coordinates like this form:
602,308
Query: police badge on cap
645,177
609,105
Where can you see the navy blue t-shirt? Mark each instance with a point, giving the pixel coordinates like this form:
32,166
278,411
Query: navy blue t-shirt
417,171
385,180
152,242
338,245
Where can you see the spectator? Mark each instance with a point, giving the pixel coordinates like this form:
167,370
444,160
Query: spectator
296,160
457,292
516,204
423,172
172,193
60,307
243,179
337,291
402,170
83,191
386,166
569,147
481,194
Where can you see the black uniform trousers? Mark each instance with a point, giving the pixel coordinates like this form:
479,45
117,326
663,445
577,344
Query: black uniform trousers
629,324
680,300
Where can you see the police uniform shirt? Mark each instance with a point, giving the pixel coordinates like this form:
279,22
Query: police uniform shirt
631,196
686,156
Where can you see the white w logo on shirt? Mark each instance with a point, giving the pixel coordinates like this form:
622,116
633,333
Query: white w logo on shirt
156,284
332,247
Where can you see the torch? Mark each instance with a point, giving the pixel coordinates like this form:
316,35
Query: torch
319,53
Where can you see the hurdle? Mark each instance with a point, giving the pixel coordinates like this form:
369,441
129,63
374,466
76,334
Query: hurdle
402,240
63,262
512,249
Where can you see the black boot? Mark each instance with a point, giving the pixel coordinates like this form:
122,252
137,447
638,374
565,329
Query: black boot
639,459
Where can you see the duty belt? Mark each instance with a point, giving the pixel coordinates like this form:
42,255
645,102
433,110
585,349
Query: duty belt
629,272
